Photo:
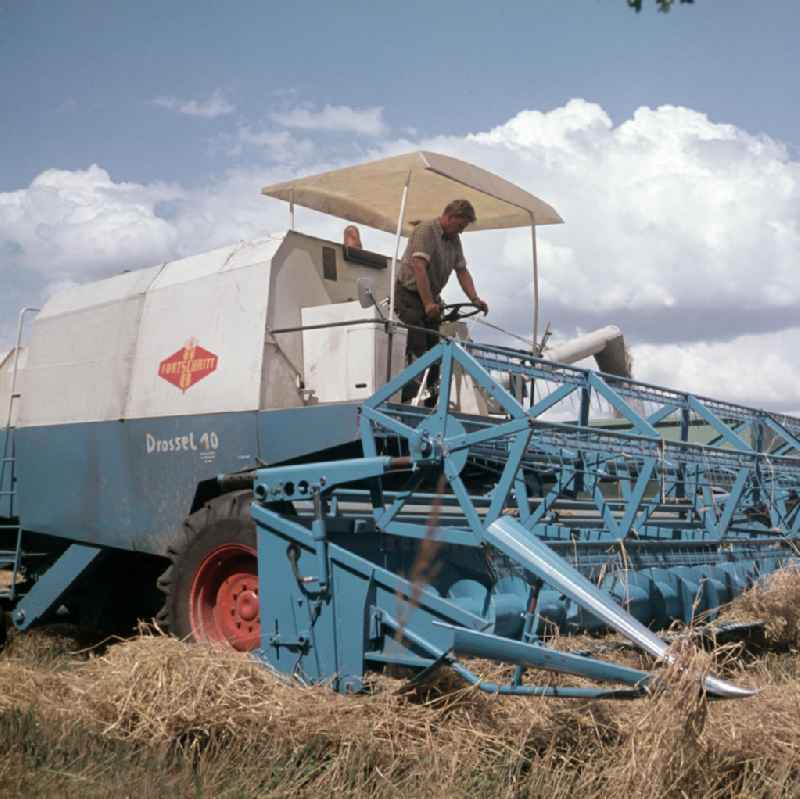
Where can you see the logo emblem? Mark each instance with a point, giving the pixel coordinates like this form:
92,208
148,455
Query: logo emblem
187,366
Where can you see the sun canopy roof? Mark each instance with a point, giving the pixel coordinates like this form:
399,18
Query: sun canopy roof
370,193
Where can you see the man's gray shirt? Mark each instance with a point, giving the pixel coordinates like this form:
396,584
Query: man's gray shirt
441,253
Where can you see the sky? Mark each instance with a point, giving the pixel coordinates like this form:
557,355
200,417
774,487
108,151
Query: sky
670,144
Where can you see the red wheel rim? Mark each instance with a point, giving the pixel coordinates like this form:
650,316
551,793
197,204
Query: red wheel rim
223,603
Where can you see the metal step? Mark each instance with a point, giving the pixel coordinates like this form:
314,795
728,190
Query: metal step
10,562
8,575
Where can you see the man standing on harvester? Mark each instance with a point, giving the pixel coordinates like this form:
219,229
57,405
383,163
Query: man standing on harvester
433,252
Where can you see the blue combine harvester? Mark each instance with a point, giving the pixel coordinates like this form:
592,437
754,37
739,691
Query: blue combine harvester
227,429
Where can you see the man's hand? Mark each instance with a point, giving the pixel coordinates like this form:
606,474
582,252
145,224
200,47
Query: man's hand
433,311
465,279
477,301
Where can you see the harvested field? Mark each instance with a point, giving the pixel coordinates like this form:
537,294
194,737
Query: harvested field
153,716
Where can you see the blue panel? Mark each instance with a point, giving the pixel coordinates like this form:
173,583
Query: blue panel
297,629
130,484
351,593
125,484
294,432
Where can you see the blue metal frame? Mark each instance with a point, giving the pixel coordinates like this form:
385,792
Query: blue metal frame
585,525
53,584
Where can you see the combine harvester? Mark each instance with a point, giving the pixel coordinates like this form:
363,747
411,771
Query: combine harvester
227,427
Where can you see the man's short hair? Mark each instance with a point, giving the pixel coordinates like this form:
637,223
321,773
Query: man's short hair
462,208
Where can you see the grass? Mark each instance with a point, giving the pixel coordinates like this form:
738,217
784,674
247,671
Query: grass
152,716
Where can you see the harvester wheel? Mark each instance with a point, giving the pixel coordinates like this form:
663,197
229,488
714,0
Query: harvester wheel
211,586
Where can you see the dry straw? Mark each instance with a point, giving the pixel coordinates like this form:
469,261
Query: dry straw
776,602
248,732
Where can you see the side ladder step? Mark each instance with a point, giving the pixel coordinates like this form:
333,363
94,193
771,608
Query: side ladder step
10,562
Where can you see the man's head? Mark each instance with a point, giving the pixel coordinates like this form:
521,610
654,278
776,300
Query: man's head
352,238
456,216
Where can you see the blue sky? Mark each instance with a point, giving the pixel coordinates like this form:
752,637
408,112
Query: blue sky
133,133
77,79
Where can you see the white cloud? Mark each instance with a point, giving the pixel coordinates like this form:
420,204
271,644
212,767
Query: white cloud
666,213
365,121
279,145
79,224
216,105
751,370
683,231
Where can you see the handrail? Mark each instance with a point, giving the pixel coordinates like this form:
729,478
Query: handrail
15,368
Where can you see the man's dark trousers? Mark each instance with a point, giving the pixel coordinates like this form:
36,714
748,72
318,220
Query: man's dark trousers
409,309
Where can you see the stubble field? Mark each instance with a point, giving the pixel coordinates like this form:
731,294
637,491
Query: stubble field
153,716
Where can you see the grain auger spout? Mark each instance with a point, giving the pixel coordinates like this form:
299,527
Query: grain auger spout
462,536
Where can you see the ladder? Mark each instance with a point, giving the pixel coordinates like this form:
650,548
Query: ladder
10,528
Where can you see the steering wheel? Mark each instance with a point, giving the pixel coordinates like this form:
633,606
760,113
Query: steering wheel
459,310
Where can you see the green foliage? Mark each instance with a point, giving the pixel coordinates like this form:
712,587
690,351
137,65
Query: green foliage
663,5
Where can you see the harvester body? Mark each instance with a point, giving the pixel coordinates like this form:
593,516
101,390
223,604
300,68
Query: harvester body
232,420
138,389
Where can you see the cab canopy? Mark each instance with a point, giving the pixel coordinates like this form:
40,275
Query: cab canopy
370,194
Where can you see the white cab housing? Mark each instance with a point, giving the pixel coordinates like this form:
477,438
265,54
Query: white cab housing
191,336
347,361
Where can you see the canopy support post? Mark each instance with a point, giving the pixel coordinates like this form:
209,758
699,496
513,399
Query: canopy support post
392,275
535,345
291,210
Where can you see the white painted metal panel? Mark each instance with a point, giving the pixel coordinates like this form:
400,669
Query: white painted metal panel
100,292
186,337
96,350
347,362
79,364
80,353
236,256
206,324
298,281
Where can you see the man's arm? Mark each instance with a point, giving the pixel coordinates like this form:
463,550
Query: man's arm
420,268
465,280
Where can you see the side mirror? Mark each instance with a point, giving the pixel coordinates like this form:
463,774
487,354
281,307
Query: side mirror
365,294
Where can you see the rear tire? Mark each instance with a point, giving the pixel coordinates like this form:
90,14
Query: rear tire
211,586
